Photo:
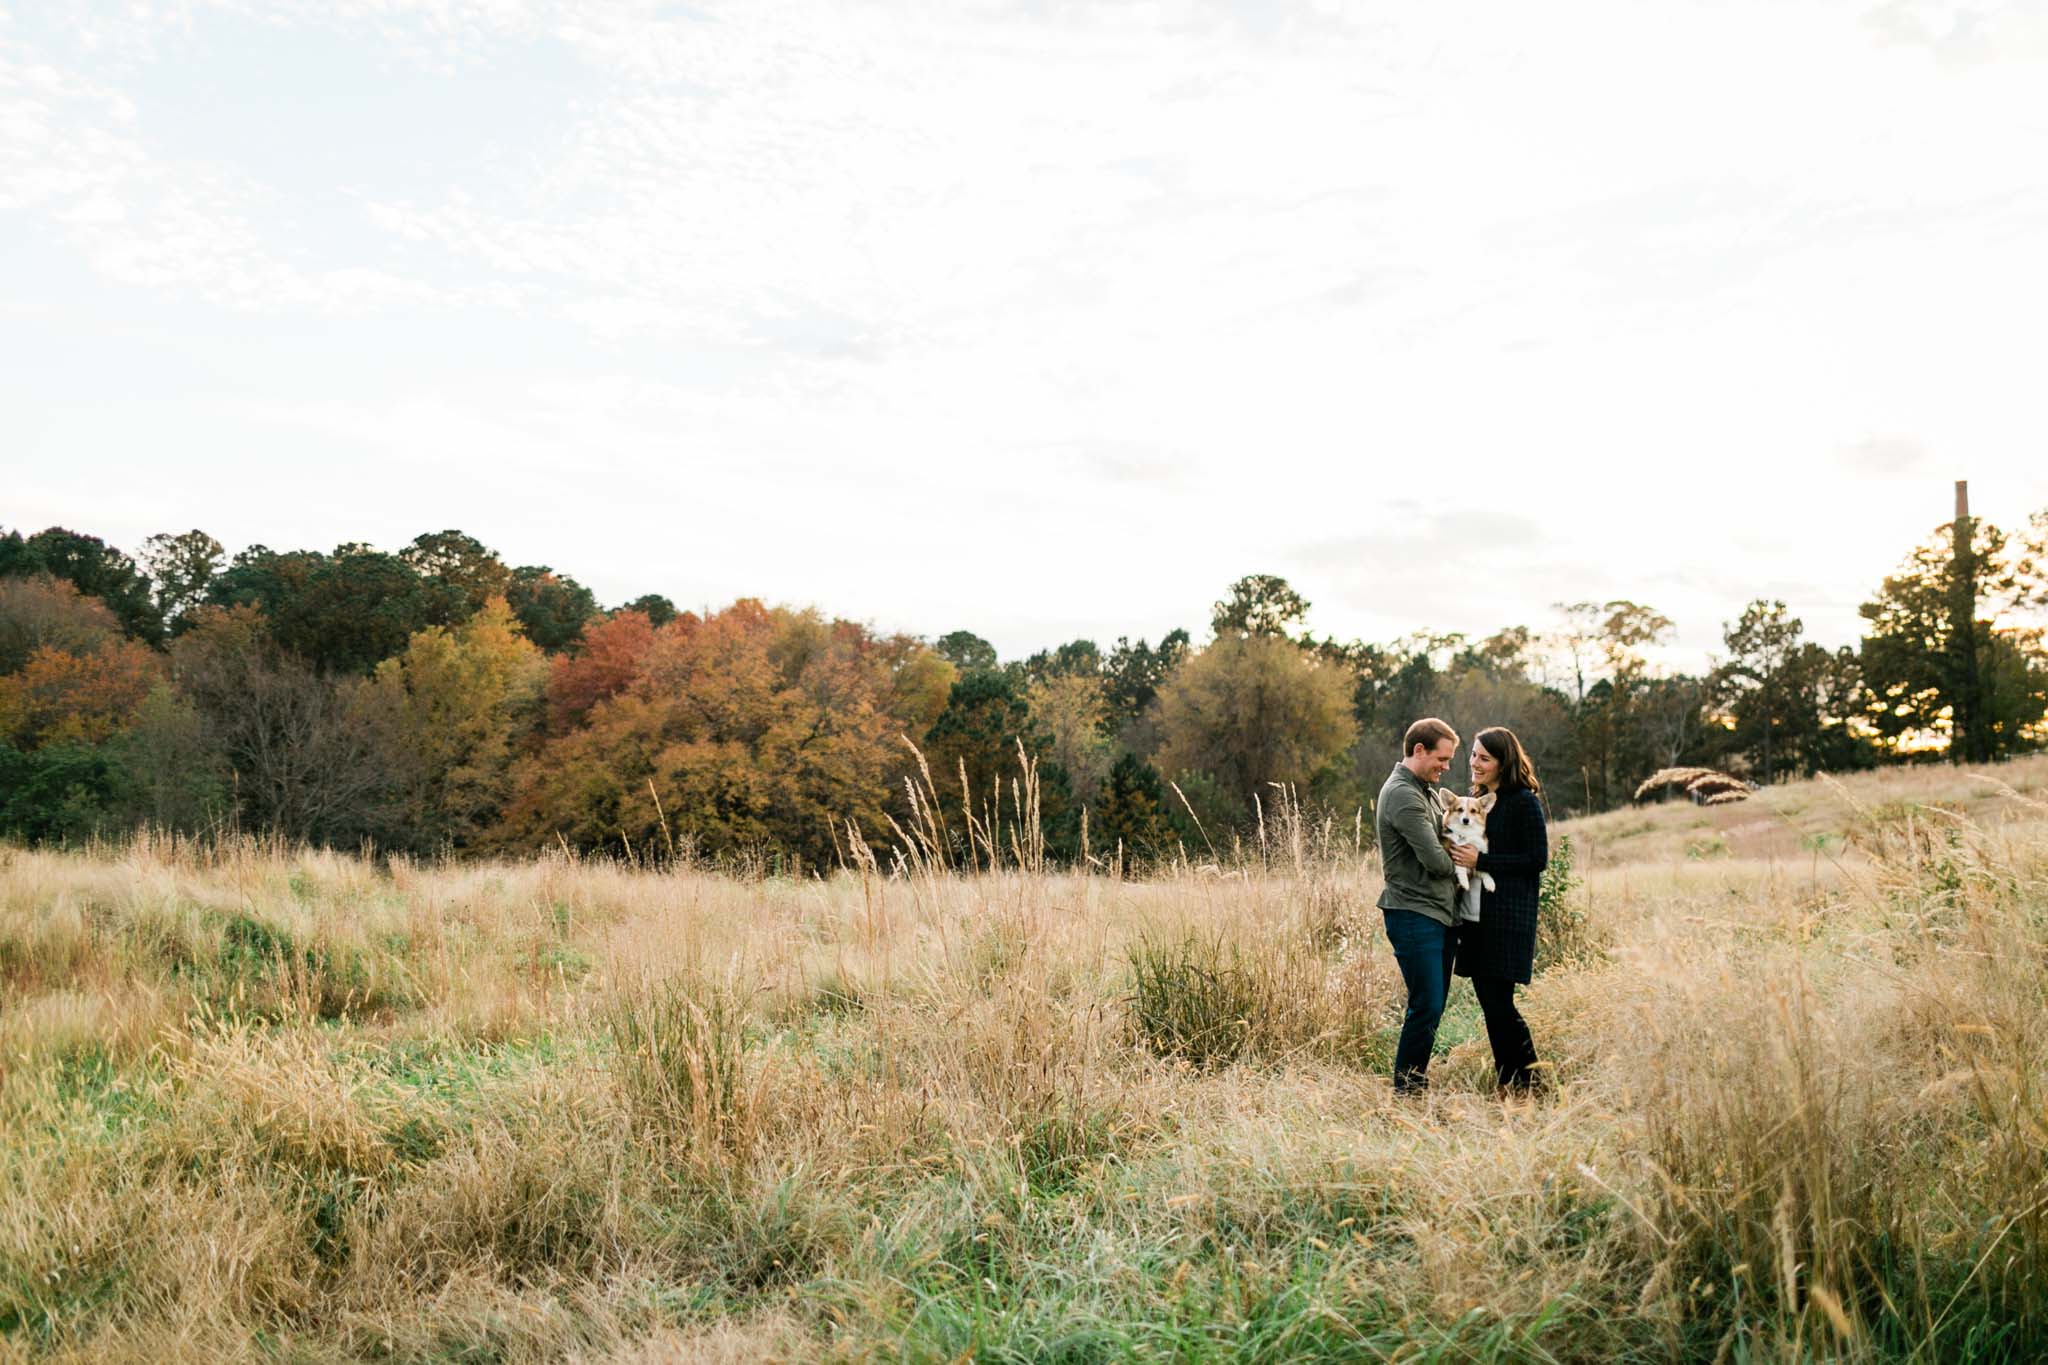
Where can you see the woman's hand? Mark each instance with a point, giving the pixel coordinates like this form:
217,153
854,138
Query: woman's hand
1464,855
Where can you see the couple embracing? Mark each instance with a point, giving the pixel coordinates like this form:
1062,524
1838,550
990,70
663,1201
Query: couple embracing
1435,924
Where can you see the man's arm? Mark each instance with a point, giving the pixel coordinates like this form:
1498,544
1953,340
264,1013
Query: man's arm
1411,821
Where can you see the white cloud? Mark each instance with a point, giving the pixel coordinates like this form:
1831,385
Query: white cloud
1117,303
73,155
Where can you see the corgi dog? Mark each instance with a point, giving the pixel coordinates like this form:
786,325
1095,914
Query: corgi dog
1465,823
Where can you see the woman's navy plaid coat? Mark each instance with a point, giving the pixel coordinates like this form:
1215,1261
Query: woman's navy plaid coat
1503,942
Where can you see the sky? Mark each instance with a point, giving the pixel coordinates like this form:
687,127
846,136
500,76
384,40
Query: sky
1044,320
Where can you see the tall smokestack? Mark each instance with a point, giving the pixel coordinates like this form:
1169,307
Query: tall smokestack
1962,499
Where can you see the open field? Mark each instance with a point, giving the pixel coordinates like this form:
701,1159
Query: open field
276,1105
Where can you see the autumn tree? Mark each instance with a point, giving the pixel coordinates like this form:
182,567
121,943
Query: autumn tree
920,682
614,650
59,696
38,611
58,779
1369,667
757,730
84,717
1252,711
463,698
1508,652
1067,712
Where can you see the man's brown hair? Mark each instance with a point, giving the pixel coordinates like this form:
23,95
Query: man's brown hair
1428,732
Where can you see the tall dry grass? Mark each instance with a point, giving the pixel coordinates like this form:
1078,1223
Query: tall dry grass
265,1103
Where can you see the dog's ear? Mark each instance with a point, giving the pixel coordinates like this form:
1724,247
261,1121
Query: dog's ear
1486,802
1444,798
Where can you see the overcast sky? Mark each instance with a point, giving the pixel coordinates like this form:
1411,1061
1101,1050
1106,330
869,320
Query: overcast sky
1043,320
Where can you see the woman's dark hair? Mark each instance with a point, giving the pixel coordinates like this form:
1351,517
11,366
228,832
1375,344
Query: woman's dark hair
1517,773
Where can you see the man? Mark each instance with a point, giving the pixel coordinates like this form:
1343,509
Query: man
1420,887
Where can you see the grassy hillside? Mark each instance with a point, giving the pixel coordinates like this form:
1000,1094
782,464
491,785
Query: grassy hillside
267,1104
1795,820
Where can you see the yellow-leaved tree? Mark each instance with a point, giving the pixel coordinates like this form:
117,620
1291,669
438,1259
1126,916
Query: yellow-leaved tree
466,698
1254,710
1068,715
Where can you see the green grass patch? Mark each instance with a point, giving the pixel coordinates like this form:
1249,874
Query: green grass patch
1196,1000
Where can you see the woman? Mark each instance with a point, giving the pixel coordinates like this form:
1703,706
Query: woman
1499,949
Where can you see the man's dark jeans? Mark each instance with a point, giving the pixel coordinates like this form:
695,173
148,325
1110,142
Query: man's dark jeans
1424,950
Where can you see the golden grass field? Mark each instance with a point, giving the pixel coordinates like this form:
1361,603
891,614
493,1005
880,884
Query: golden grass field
267,1104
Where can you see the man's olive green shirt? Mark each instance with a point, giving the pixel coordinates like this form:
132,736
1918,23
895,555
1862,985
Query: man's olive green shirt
1409,824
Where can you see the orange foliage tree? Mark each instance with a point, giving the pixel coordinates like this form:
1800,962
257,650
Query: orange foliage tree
613,651
84,697
756,730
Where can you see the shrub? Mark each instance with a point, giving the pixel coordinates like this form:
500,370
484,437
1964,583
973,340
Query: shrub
1197,1000
1565,936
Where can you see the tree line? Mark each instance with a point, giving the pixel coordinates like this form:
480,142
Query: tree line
435,699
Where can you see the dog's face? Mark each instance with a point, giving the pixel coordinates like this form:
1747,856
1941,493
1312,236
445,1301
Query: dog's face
1464,816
